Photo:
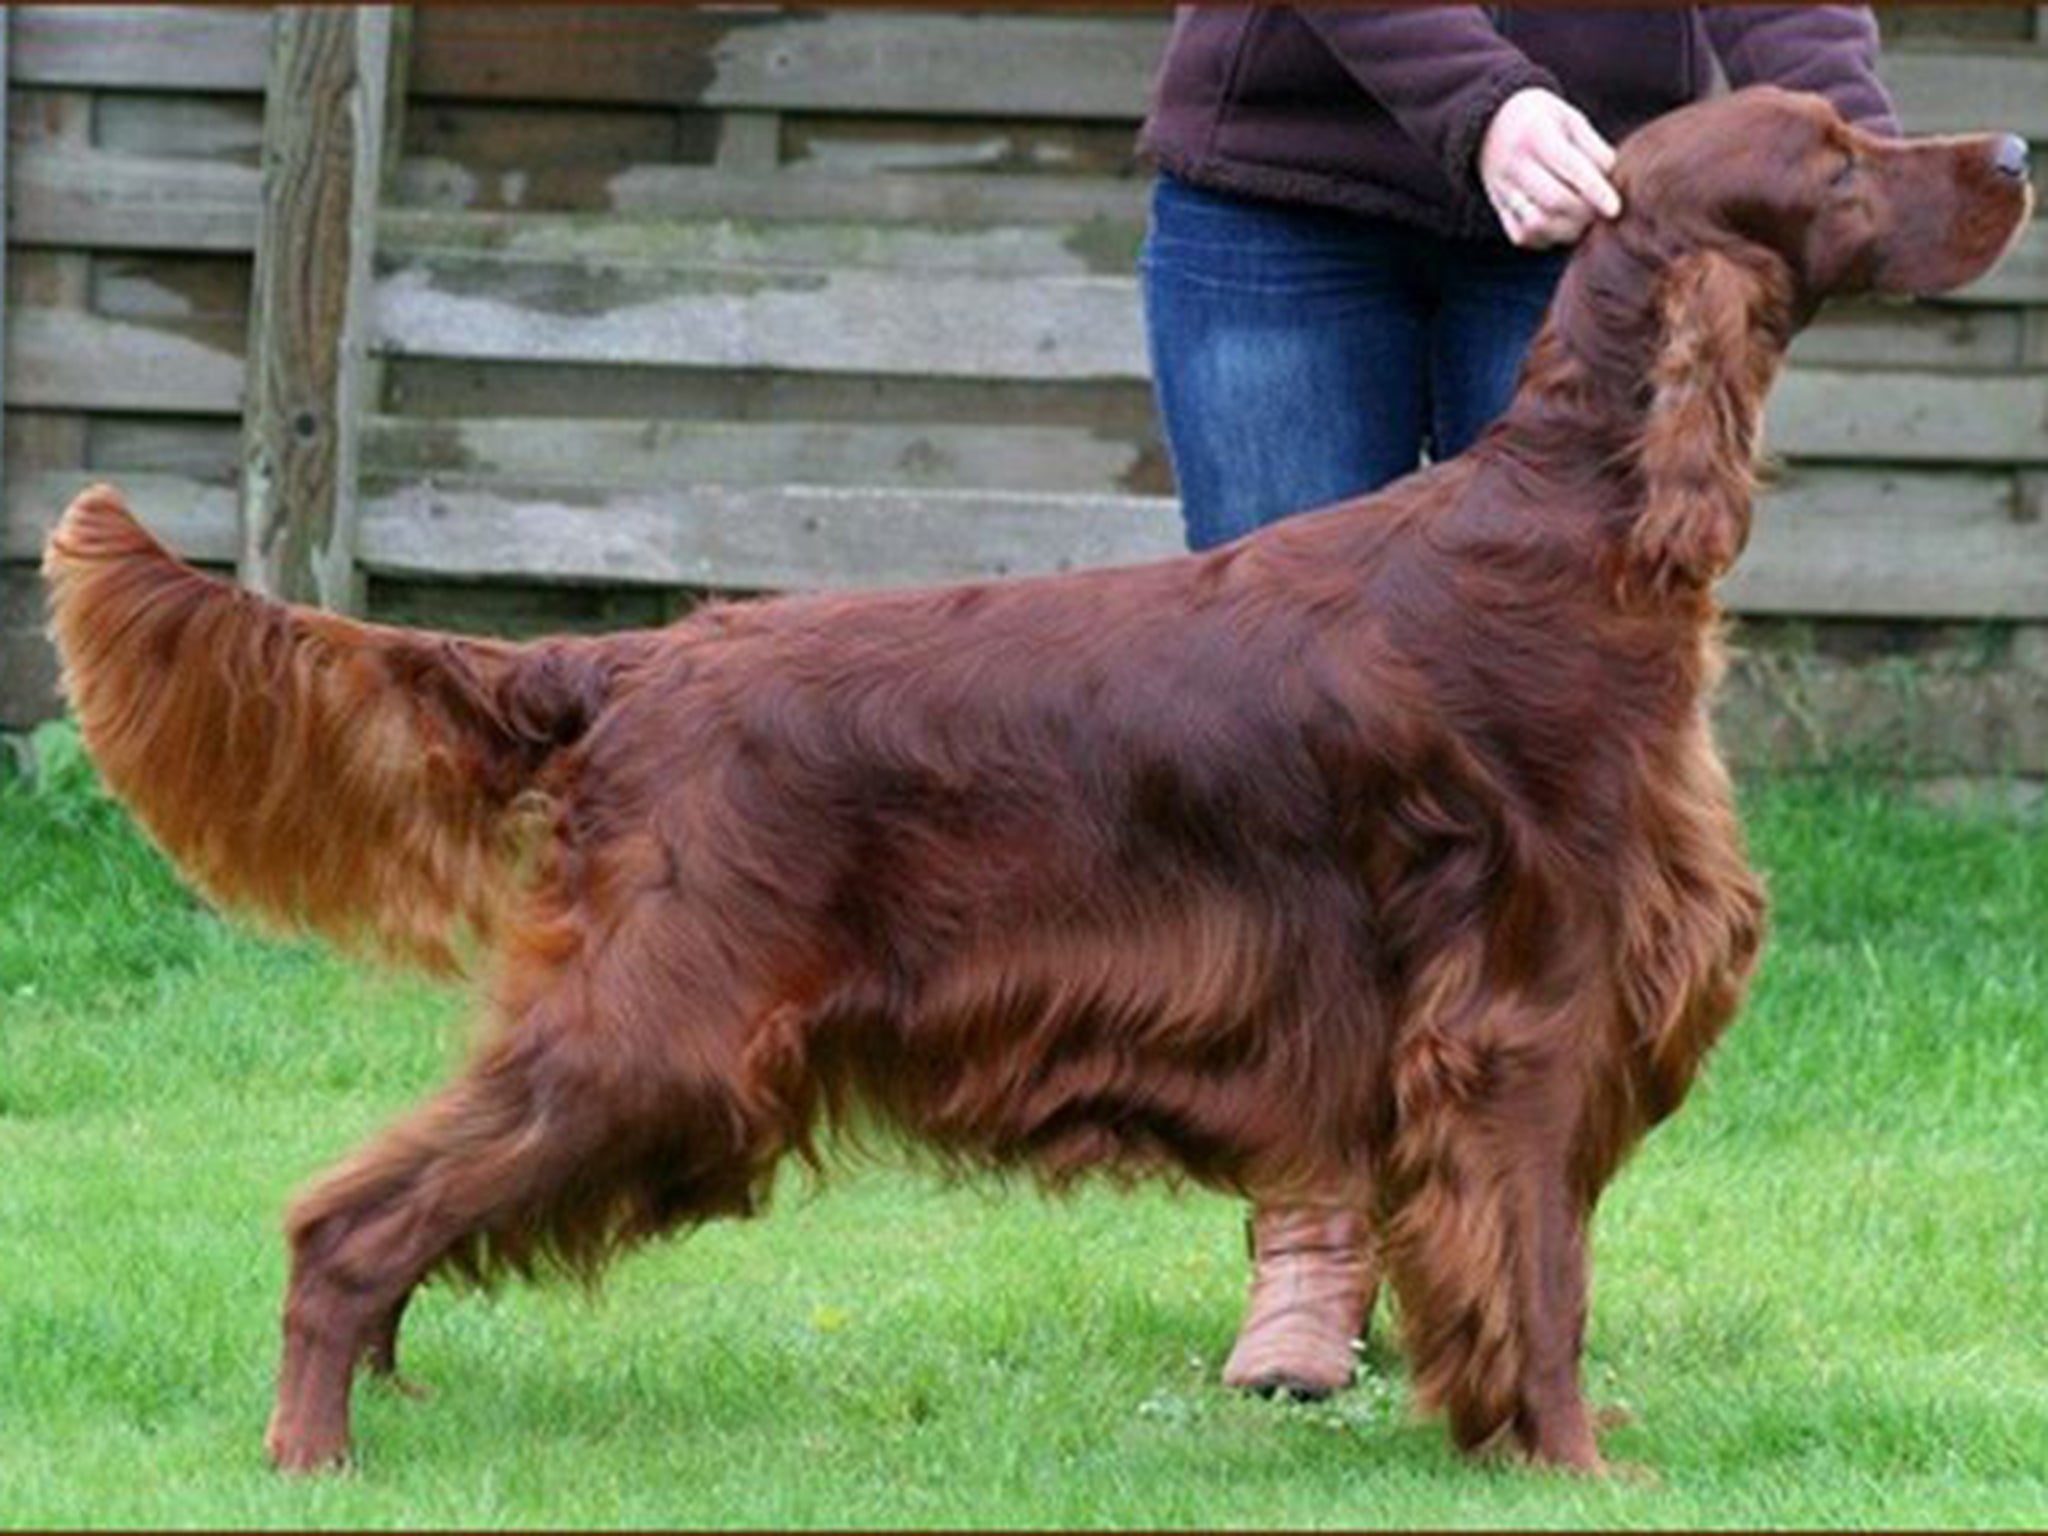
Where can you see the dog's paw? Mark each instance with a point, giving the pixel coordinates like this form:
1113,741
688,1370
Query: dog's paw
305,1455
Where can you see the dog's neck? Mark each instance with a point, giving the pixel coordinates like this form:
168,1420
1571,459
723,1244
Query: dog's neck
1587,390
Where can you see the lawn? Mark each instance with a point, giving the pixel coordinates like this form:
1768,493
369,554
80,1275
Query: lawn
1822,1291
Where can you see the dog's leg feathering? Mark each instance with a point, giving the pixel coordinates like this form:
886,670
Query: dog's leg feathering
1486,1236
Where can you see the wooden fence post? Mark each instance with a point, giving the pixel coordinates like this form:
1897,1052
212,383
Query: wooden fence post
324,119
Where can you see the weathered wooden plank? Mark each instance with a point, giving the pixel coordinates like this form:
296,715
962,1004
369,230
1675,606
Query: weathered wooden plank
540,154
1959,88
518,611
36,440
49,279
323,164
194,517
180,127
869,143
1888,336
442,387
397,96
665,454
44,280
754,537
1946,20
204,448
1825,413
143,47
37,119
107,199
1078,248
179,287
1826,542
28,678
65,359
1877,544
939,324
2032,505
749,143
28,666
984,65
685,191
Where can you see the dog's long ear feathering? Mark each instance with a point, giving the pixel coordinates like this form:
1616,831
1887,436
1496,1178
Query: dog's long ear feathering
1723,322
342,778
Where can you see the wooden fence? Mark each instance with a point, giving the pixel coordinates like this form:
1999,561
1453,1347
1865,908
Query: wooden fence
639,302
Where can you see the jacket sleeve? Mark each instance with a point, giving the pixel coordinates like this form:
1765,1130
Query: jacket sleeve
1441,71
1829,49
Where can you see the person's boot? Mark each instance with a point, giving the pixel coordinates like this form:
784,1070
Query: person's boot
1314,1275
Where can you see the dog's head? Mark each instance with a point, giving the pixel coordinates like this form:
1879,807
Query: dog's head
1778,180
1741,216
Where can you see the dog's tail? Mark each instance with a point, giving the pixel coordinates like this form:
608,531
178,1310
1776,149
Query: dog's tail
363,783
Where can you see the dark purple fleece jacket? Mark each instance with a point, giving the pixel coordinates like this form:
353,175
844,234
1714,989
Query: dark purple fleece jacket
1381,110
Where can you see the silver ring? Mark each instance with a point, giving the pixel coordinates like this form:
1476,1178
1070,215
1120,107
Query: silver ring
1520,205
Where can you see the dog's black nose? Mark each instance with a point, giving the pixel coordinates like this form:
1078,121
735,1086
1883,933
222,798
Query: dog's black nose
2010,156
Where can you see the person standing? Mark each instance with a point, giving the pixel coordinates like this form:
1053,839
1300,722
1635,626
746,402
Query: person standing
1358,220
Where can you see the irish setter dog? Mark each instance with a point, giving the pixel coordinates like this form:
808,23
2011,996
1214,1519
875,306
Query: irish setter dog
1384,855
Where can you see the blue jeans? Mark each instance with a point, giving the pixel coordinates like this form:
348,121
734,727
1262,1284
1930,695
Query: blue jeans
1302,355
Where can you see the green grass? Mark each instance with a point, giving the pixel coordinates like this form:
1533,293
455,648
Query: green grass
1821,1290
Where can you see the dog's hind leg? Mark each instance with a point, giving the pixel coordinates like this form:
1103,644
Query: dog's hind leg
568,1139
1486,1234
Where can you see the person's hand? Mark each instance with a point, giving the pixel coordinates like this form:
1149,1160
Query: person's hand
1545,170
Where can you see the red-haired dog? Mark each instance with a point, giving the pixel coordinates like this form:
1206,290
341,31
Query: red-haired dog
1383,855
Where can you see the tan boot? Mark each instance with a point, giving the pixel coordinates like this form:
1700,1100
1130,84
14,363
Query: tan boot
1314,1275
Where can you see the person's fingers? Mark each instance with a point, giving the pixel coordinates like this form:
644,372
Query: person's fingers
1571,165
1544,166
1538,209
1510,222
1587,138
1518,212
1549,230
1532,228
1523,215
1535,181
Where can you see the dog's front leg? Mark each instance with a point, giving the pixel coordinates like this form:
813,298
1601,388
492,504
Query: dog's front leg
1486,1230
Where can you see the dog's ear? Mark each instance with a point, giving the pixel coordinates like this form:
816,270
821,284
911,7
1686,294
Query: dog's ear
1722,329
